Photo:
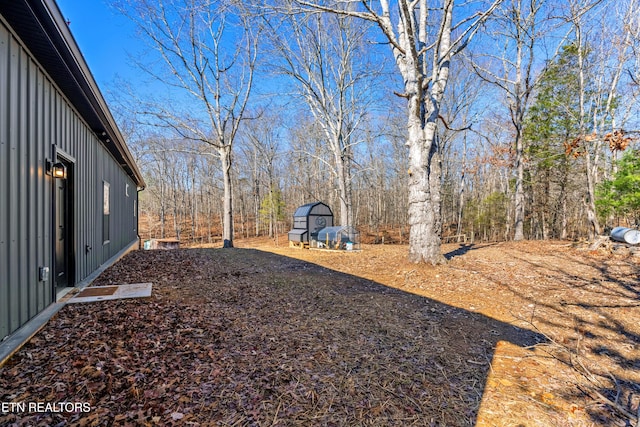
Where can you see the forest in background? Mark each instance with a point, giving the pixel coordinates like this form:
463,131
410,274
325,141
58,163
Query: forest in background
539,119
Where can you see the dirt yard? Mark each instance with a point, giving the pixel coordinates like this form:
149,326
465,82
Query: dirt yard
507,334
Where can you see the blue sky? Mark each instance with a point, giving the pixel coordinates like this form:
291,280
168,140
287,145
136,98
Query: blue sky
104,37
107,39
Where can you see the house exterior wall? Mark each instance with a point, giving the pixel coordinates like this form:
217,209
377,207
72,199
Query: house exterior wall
36,122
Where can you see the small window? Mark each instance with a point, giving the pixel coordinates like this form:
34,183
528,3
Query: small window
105,211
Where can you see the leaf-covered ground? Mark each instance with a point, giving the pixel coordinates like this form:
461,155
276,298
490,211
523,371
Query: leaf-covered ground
511,334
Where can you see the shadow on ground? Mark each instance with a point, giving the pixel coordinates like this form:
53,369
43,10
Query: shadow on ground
463,249
590,318
244,337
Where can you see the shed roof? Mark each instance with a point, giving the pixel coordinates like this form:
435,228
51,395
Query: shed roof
41,26
305,210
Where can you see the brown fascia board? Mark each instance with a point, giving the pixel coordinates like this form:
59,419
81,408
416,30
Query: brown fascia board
41,26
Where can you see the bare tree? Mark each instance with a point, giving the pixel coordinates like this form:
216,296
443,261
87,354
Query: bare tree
325,57
634,71
261,139
459,110
309,163
601,66
423,43
519,30
591,172
206,54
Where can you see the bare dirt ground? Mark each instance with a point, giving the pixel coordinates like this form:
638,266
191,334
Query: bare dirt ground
507,334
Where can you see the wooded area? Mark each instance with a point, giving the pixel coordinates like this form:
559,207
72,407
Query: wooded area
494,121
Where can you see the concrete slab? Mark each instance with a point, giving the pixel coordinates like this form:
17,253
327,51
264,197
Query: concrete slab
105,293
14,342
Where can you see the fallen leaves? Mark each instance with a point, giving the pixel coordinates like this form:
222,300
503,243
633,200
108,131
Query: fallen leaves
259,339
243,337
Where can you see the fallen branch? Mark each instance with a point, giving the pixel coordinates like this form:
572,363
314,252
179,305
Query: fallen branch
593,382
599,242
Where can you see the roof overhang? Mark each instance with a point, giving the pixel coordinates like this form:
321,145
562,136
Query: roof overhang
41,26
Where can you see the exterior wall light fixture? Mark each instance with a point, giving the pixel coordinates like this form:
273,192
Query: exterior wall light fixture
56,170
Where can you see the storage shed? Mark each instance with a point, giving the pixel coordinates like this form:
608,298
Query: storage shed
339,237
307,221
68,183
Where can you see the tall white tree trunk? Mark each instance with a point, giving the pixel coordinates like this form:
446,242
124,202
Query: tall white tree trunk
425,220
425,170
517,117
461,194
342,161
606,90
519,190
227,204
514,73
324,57
422,48
590,201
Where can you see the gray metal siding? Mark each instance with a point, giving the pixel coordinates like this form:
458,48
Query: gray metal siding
22,190
94,164
4,186
34,115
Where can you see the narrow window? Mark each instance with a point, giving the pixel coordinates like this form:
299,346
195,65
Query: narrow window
105,212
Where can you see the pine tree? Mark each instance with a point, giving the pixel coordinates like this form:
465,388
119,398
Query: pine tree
551,127
620,197
272,209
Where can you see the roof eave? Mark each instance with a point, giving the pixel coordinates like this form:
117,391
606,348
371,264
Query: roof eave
36,21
